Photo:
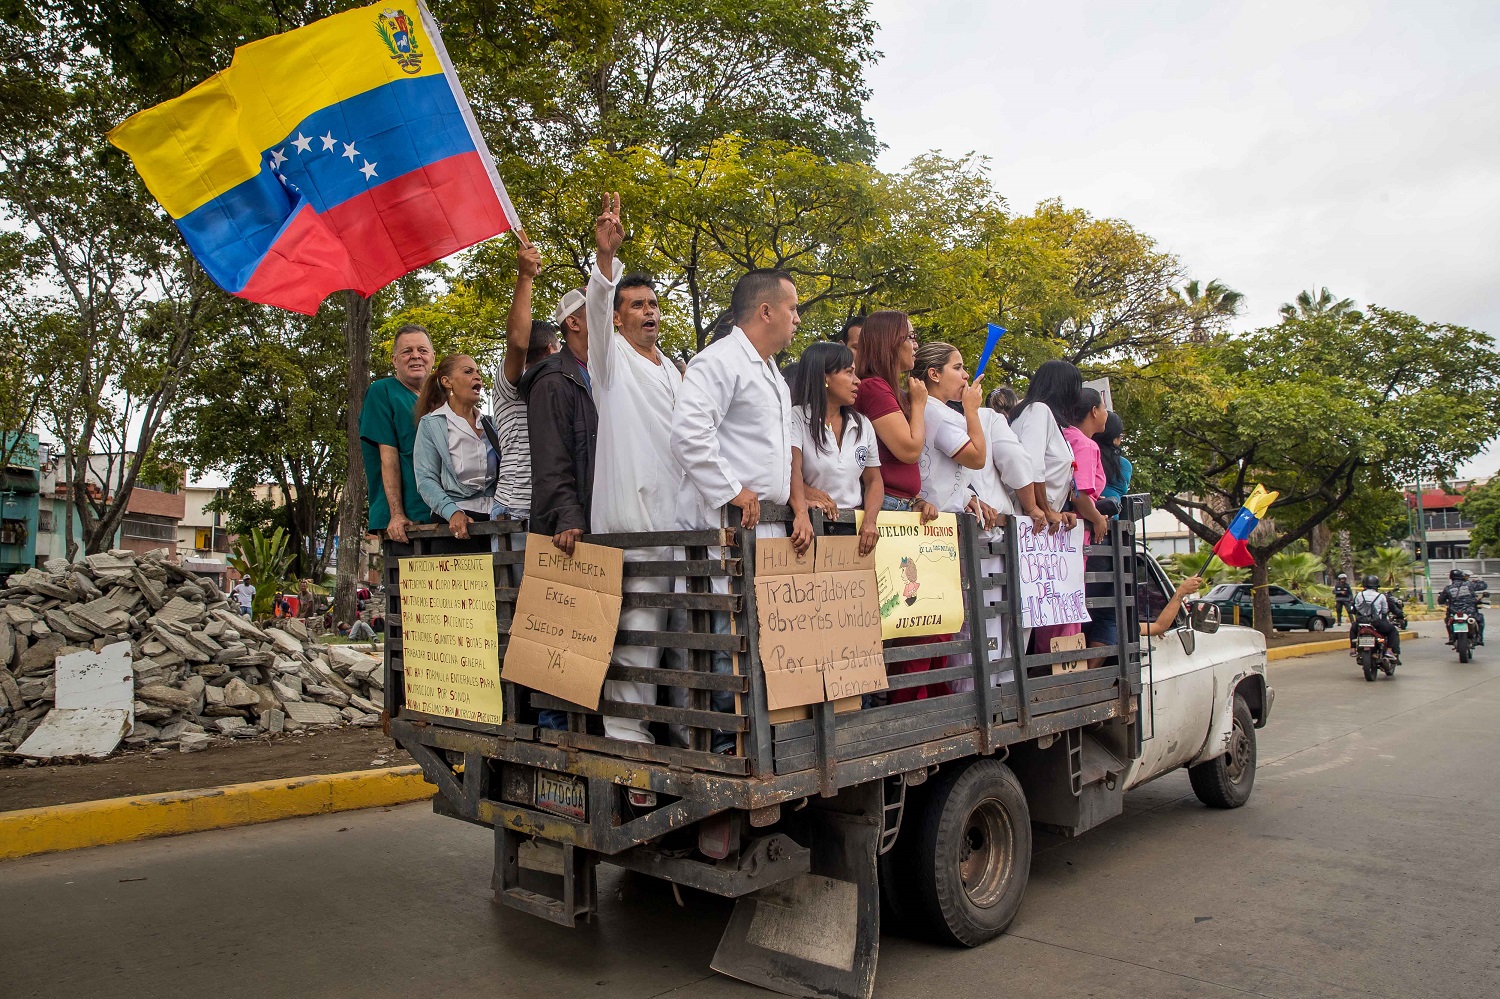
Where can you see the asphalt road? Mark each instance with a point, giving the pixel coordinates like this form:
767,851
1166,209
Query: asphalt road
1366,864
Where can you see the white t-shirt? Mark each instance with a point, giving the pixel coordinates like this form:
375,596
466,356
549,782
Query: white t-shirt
470,454
1051,454
244,593
513,488
836,471
1006,464
945,483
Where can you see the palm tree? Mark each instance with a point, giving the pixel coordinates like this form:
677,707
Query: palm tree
1310,306
1301,572
1181,565
1209,305
1392,565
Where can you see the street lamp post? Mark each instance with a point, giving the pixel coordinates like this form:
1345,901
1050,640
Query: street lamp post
1426,556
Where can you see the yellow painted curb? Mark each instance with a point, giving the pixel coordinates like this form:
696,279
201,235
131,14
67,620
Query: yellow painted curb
29,831
1313,648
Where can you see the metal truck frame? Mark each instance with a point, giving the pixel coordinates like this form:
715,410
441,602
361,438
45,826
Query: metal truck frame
803,822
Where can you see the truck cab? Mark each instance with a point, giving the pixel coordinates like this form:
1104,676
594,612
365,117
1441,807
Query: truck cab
1203,682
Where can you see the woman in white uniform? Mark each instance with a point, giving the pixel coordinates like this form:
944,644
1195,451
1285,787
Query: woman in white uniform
1052,400
833,447
953,449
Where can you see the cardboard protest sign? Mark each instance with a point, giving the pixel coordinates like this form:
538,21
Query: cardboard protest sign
450,644
819,621
567,614
1070,643
916,568
1051,572
855,662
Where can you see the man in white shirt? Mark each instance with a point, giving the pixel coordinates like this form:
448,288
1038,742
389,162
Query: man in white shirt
732,429
636,480
244,595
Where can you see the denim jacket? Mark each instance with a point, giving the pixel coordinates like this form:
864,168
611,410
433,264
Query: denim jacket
436,480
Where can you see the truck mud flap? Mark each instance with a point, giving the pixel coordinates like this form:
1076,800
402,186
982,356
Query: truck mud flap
817,934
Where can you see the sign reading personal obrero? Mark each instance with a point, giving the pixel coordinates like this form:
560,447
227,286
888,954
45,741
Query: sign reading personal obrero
567,614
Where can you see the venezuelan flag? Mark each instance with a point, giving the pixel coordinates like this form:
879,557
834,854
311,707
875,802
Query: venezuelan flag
339,155
1234,547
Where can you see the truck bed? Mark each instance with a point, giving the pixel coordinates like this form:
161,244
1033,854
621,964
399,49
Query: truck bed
483,771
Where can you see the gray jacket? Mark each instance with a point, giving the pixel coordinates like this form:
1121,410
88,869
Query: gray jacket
433,463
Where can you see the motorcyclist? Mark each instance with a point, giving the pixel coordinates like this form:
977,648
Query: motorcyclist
1343,595
1371,607
1457,596
1479,588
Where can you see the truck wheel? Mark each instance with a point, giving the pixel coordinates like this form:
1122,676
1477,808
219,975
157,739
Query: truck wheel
1227,780
972,853
1316,623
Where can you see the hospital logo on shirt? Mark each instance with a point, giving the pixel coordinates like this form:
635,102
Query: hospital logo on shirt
862,454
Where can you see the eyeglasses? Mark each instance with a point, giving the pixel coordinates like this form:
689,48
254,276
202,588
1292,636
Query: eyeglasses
912,337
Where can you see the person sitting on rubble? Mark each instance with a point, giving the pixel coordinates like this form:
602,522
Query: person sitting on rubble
361,631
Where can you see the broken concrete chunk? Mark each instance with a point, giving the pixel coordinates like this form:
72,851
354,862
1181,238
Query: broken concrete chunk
310,713
168,697
237,694
193,742
284,642
39,657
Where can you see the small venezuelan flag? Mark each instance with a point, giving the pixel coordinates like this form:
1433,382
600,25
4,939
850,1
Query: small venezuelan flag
1234,547
339,155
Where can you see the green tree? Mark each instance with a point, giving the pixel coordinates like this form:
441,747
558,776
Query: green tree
1481,504
263,561
266,405
110,280
1323,410
1209,307
1181,565
1391,563
1310,306
1302,573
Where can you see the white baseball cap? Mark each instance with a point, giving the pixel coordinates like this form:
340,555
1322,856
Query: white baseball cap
571,303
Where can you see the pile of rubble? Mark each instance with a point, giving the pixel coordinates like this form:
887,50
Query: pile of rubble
202,671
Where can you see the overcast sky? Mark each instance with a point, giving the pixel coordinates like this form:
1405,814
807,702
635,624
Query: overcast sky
1273,145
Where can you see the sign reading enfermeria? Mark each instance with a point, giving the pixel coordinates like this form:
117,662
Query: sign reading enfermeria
449,640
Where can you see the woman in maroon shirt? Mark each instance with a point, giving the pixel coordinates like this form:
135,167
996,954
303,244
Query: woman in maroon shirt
893,402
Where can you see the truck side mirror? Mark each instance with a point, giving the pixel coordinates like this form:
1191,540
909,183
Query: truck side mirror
1204,616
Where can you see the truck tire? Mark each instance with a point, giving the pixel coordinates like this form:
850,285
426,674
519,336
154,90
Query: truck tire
972,854
1227,780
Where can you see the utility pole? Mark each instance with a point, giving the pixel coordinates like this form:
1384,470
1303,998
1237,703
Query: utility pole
1426,557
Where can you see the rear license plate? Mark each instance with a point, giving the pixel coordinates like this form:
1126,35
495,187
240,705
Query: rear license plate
1460,626
562,794
1367,643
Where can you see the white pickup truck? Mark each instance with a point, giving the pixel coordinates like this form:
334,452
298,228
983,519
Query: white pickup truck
824,817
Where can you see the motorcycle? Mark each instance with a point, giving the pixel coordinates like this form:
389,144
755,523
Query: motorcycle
1373,652
1465,631
1398,610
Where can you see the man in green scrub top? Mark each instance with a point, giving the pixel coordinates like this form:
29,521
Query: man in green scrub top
387,431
